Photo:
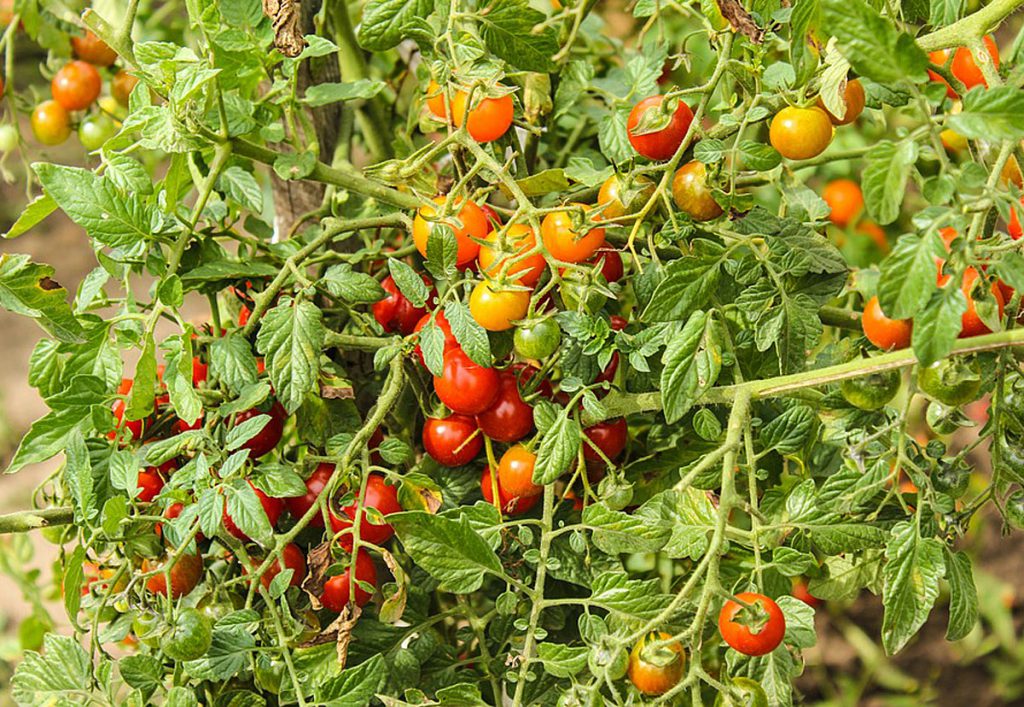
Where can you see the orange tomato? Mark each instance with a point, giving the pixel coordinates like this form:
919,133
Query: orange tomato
495,309
844,199
853,96
963,66
470,222
519,239
566,244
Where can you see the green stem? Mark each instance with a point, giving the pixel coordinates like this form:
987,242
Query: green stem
24,521
973,26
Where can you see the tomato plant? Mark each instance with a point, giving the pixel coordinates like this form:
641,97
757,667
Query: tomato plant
752,623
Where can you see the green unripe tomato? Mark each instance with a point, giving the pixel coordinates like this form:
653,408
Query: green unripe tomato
951,479
269,672
538,339
8,138
148,627
743,692
942,419
95,131
951,381
873,391
1011,453
615,492
189,637
608,660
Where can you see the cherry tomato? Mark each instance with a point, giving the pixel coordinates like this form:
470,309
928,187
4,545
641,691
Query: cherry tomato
873,391
608,374
122,85
450,342
51,123
95,130
190,635
266,440
435,100
512,505
488,120
493,220
135,427
9,138
395,313
970,323
465,386
93,574
623,195
453,440
381,497
655,669
951,381
742,692
853,97
150,485
800,133
885,333
611,264
294,560
298,506
801,592
339,588
92,49
845,201
467,223
1013,228
617,323
963,67
509,418
691,193
76,85
754,631
953,141
609,436
537,339
272,507
185,574
515,472
518,240
875,232
497,309
566,244
659,144
951,479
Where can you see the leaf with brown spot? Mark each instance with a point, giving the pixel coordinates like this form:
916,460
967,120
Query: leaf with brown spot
284,16
741,20
317,564
27,288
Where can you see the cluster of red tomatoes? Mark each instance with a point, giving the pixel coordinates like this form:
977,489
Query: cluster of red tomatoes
75,90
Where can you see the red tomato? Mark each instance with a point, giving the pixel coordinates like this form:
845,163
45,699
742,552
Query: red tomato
135,427
121,87
970,322
518,240
663,143
963,66
885,333
293,560
692,194
51,123
608,374
845,201
270,435
298,506
468,222
173,511
655,671
453,440
512,505
617,323
801,592
395,313
272,507
566,244
185,574
492,217
92,49
609,436
450,342
379,496
611,264
150,484
200,371
465,386
752,632
509,418
338,589
76,85
515,472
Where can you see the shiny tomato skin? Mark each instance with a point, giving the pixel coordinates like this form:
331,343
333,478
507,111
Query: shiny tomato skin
800,133
450,342
536,340
609,436
617,323
845,201
515,473
51,123
853,96
122,85
395,313
465,386
435,100
298,506
185,575
452,441
150,485
608,374
801,592
652,678
970,323
92,49
610,260
380,496
95,130
691,193
473,226
272,507
564,243
621,195
963,66
519,239
488,120
294,560
509,418
497,309
1014,227
887,334
662,144
268,438
338,588
76,86
744,638
512,505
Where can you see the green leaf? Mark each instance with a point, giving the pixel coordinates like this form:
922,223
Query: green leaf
884,180
789,432
409,282
872,44
937,327
352,286
241,185
690,515
141,671
558,448
1010,268
629,599
991,114
178,377
47,437
508,28
323,94
687,286
450,551
799,622
759,156
78,478
57,676
692,363
384,21
963,595
72,582
246,511
616,532
908,276
140,403
291,338
561,660
114,218
227,655
471,336
294,165
356,686
232,362
240,434
26,289
32,215
914,565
